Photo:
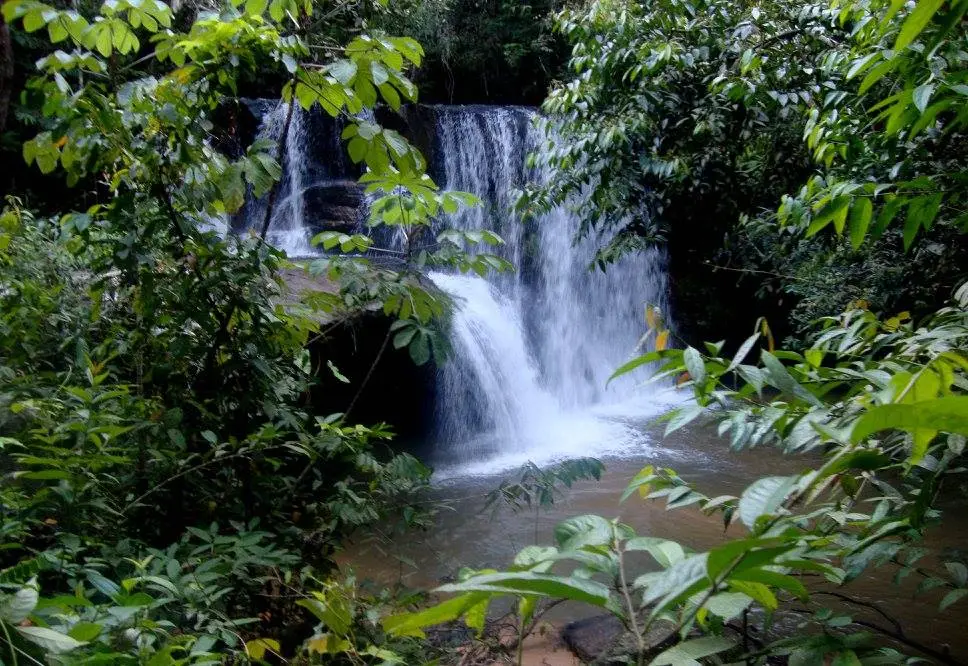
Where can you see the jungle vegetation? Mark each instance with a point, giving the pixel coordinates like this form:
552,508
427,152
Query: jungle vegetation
171,495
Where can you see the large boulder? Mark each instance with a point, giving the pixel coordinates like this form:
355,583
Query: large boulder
602,639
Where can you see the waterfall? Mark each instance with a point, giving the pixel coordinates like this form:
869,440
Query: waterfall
533,350
287,229
318,188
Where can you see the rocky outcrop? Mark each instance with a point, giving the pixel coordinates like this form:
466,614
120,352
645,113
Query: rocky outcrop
602,639
335,205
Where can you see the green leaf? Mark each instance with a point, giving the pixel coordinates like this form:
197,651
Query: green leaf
922,95
255,7
343,71
665,552
952,597
764,497
759,592
637,362
916,22
49,640
420,349
412,624
690,652
833,211
682,579
587,530
332,612
949,414
778,376
694,364
540,584
85,631
257,647
682,417
728,605
773,579
860,220
743,352
20,604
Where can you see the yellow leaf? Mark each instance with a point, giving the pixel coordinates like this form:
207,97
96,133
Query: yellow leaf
327,644
765,329
662,340
257,647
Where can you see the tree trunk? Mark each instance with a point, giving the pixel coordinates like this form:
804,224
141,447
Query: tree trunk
6,73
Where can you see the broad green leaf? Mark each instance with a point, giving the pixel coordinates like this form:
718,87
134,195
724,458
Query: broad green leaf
690,652
587,530
16,607
694,365
922,95
412,624
916,22
759,592
637,362
665,552
860,219
85,631
665,587
257,648
49,640
728,605
772,579
948,414
834,211
682,417
764,497
779,377
540,584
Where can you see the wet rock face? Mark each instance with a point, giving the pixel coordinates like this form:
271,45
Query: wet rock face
334,205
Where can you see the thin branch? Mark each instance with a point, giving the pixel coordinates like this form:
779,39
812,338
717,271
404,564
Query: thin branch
369,374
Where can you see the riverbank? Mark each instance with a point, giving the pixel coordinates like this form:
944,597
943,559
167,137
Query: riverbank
466,536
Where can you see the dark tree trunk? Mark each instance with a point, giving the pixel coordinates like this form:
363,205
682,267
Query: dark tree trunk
6,73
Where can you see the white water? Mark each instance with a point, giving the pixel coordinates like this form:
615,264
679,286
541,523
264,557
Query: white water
534,350
287,230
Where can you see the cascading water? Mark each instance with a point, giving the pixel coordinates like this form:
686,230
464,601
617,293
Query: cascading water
534,349
317,189
287,229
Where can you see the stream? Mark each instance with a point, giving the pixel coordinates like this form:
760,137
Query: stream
466,535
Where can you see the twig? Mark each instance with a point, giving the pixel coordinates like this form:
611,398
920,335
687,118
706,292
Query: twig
369,374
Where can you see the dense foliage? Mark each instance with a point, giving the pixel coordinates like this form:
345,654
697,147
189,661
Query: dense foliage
170,494
684,123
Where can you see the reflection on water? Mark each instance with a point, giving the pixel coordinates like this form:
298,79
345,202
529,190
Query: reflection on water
466,536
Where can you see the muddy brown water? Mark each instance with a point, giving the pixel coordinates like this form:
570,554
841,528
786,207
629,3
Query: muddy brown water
465,535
